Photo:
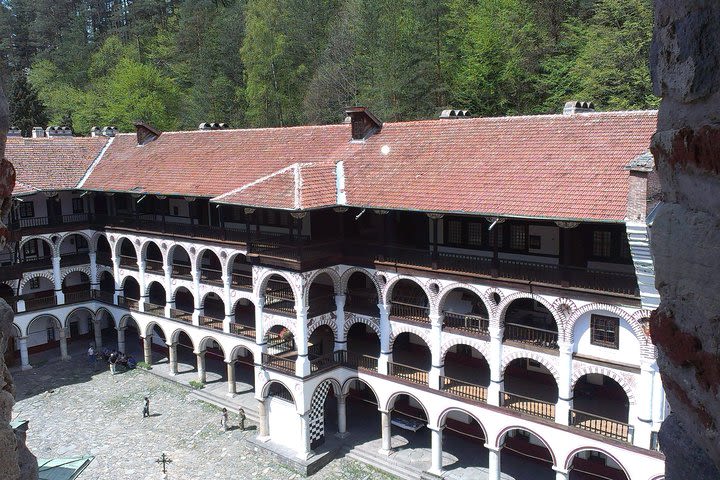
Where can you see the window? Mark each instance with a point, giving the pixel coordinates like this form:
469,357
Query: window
602,244
26,210
34,283
78,205
518,237
604,331
51,334
474,234
175,211
81,243
30,249
535,242
454,232
496,232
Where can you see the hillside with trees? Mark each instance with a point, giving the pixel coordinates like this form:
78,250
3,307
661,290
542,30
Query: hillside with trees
256,63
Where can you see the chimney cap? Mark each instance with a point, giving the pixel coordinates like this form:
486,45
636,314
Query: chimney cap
146,133
576,106
452,113
364,123
58,131
213,126
14,132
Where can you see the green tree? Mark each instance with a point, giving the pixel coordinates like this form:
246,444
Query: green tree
26,109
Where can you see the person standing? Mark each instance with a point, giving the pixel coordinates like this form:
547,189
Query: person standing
112,360
224,419
241,418
146,408
91,356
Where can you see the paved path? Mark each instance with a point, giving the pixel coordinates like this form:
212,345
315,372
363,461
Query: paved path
74,411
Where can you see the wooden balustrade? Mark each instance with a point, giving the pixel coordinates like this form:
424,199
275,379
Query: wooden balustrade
408,311
531,406
154,309
242,330
327,361
539,337
181,315
210,322
354,360
38,303
467,322
463,389
242,280
601,425
78,296
275,362
181,270
211,275
406,372
128,262
153,265
102,296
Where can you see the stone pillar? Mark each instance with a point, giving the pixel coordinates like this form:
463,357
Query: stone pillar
167,269
264,424
231,379
385,353
202,375
116,278
94,281
97,330
196,295
658,400
565,393
340,339
302,364
494,467
147,349
227,301
495,360
561,473
121,340
304,451
643,409
63,345
385,425
57,280
259,326
342,416
436,438
143,287
24,357
172,358
437,368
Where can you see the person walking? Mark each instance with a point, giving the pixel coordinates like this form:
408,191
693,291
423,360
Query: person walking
241,418
91,356
112,360
224,419
146,408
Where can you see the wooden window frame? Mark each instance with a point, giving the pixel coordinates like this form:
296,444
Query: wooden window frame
26,210
78,206
599,333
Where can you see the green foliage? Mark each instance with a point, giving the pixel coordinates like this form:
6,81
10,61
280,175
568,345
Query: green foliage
176,64
196,384
26,109
144,365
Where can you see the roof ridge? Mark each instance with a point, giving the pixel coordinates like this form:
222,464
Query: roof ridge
95,162
255,182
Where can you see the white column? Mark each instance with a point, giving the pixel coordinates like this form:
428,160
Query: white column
94,281
24,357
63,345
167,269
386,447
231,379
565,394
495,360
121,339
116,278
437,369
97,328
643,409
264,424
304,451
385,353
259,326
658,400
342,416
141,281
494,467
302,364
57,281
561,474
436,438
228,303
340,340
202,376
172,358
196,295
147,349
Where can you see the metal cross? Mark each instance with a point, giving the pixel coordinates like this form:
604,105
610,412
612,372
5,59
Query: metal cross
164,460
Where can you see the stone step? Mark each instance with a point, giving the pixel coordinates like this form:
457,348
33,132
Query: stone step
384,463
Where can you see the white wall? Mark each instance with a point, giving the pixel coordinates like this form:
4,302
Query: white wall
37,335
549,239
629,346
284,423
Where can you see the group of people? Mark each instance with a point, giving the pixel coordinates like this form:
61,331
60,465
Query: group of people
224,419
111,357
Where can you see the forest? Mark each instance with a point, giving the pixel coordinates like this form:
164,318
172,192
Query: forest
261,63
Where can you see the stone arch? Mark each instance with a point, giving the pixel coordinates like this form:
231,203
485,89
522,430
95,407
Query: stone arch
47,275
505,303
100,270
327,271
150,326
390,285
490,293
95,239
42,238
583,370
80,233
480,346
505,430
175,335
196,261
76,310
146,244
123,322
239,348
443,416
266,389
532,356
446,290
646,348
351,319
287,276
242,296
17,331
77,268
327,320
277,320
116,247
202,344
178,287
316,417
349,273
571,456
55,319
394,397
150,284
348,382
109,313
397,329
171,252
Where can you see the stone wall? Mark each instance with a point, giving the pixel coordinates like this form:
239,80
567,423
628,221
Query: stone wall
685,64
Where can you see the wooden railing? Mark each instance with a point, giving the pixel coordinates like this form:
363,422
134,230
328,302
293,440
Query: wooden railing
363,304
210,322
102,296
211,275
327,361
466,322
601,425
78,296
242,280
282,394
408,311
183,271
531,335
531,406
128,262
463,389
153,265
406,372
280,301
38,303
78,258
281,364
354,360
242,330
181,315
154,309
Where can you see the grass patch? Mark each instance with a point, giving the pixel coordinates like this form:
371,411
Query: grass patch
196,385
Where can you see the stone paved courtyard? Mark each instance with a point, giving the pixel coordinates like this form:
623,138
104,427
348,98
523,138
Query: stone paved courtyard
74,411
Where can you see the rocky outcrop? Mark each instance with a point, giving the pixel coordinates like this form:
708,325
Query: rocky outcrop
685,237
16,461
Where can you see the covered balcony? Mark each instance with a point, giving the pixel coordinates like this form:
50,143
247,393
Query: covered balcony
530,323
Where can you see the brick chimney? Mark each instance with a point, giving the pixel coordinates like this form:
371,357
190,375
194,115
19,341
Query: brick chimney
364,124
146,133
38,132
14,132
574,106
55,131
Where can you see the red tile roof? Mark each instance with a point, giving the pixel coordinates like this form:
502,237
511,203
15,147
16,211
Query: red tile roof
56,163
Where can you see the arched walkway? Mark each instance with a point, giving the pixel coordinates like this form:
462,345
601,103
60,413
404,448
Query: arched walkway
323,412
410,358
466,373
361,295
530,322
524,452
408,421
363,341
210,267
179,261
240,273
153,258
464,311
45,334
184,305
529,387
321,342
593,464
155,303
279,297
74,249
76,287
600,405
127,253
243,318
409,302
321,298
463,444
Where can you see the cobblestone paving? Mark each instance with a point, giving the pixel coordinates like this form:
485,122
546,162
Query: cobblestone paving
74,411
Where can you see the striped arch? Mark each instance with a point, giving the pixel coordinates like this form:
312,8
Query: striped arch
571,456
186,287
349,273
501,436
265,276
329,272
270,321
116,246
95,239
328,320
505,303
320,393
87,238
390,285
100,270
633,321
43,238
351,319
77,268
44,274
478,345
445,291
532,356
583,370
146,244
398,328
241,296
